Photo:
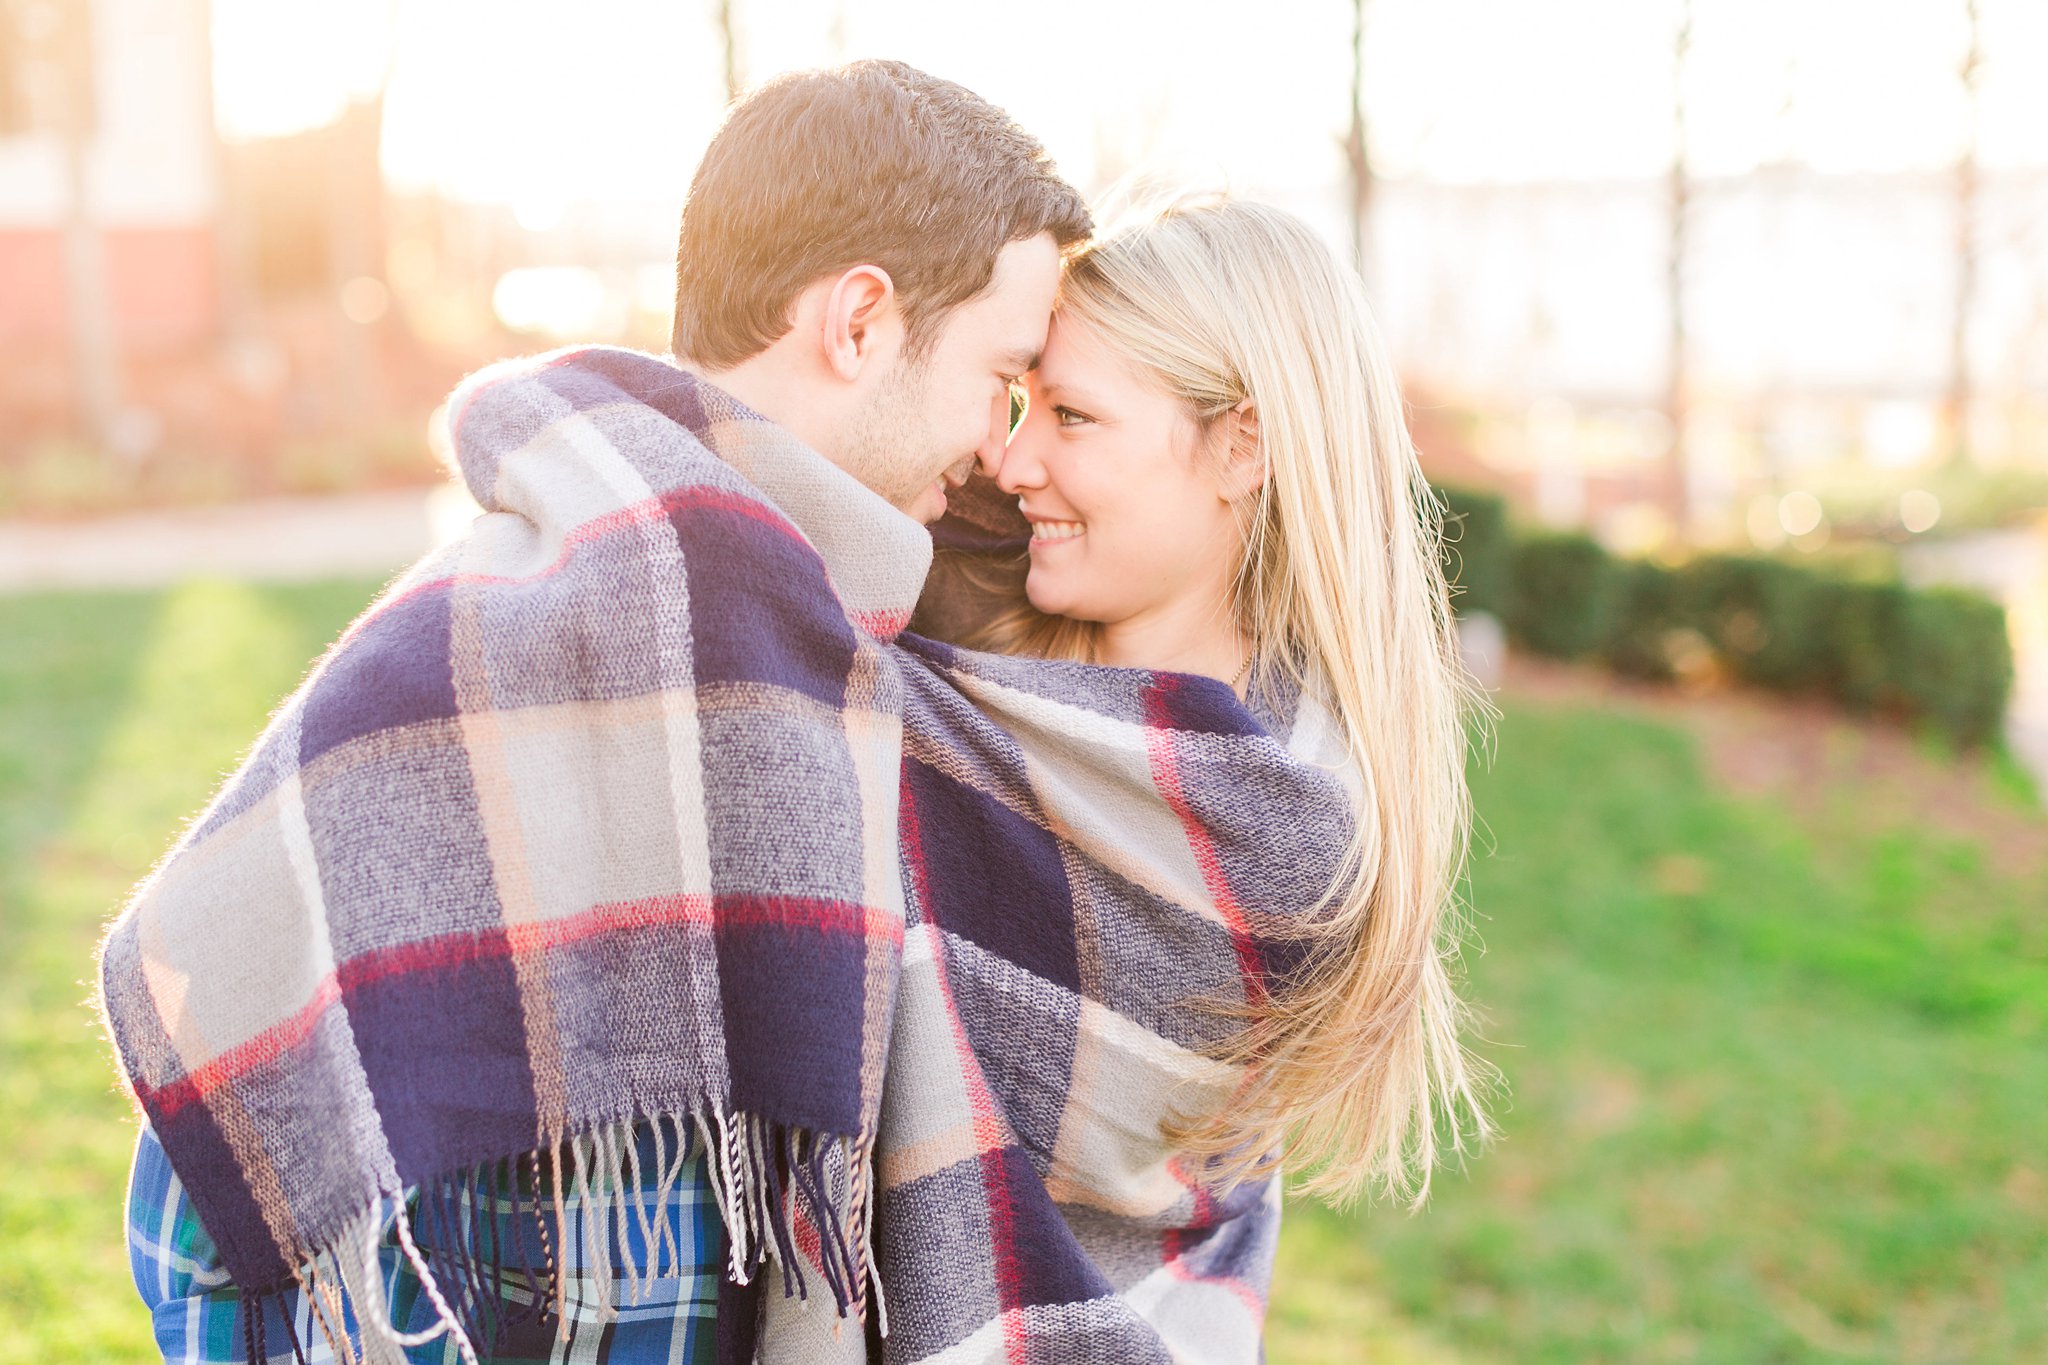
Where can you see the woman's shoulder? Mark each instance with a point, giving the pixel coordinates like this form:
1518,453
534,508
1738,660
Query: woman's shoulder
1302,716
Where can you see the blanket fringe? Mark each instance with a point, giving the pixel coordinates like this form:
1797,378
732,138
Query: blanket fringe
585,1191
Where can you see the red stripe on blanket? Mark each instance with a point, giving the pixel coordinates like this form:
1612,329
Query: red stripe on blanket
455,950
885,625
990,1132
839,917
166,1102
799,912
1159,748
1174,1248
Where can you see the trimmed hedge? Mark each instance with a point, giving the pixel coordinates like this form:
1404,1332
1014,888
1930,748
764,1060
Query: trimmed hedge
1650,612
1762,615
1561,593
1861,624
1940,655
1955,662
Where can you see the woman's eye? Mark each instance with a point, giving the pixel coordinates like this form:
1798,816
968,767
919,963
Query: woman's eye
1067,417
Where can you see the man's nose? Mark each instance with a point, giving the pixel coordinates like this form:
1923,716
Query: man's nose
989,454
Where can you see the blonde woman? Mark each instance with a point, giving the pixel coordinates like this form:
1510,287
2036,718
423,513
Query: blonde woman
1220,492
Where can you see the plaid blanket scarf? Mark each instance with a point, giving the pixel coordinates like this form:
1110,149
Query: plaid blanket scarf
637,806
1093,857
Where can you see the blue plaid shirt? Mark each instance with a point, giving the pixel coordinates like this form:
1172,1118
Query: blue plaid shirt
198,1314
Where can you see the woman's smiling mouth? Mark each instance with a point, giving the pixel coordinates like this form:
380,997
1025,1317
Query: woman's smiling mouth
1045,529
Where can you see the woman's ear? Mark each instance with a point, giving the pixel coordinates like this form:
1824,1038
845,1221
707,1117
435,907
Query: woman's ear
859,316
1244,459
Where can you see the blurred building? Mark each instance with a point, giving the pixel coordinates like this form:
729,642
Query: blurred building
109,206
143,117
166,294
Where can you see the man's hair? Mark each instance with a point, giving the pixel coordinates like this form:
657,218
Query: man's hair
870,163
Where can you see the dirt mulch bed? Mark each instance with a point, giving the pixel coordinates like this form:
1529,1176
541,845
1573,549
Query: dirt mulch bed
1815,759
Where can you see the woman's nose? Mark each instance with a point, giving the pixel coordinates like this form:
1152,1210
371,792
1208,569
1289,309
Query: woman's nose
1018,465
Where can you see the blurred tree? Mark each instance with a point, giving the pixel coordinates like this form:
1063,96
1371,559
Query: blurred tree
50,79
353,185
729,38
1676,480
1961,380
1357,153
17,111
233,253
355,251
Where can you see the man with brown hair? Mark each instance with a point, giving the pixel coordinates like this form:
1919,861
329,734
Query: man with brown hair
868,259
878,298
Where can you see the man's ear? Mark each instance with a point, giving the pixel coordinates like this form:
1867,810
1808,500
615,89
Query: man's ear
861,320
1244,459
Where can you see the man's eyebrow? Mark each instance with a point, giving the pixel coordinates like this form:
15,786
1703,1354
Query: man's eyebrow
1019,361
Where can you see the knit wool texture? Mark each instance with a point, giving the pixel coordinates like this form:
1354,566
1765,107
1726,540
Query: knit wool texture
637,804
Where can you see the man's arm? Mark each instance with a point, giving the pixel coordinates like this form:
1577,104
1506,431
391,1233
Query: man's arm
195,1309
198,1317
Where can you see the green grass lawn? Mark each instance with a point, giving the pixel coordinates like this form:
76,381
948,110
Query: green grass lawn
1779,1083
1779,1086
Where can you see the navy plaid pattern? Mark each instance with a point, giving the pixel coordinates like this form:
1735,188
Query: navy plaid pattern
620,767
732,847
198,1314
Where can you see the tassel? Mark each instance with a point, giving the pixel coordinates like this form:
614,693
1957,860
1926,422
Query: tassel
324,1304
355,1263
612,1194
863,1195
481,1202
664,1195
656,1203
649,1258
489,1223
776,1208
559,1271
458,1212
590,1282
448,1324
291,1333
807,1181
719,1174
763,1177
527,1204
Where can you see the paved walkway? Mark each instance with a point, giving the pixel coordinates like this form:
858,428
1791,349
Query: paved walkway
275,540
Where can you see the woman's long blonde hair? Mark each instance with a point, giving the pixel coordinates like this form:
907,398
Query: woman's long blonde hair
1359,1069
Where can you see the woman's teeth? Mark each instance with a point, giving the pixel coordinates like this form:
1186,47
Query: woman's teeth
1055,530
